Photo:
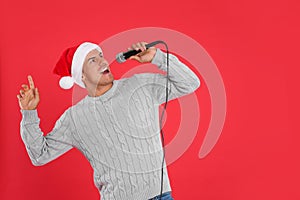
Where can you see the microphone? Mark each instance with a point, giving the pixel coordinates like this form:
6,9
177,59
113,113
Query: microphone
122,57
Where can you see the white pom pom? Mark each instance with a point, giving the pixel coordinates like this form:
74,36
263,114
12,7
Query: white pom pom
66,82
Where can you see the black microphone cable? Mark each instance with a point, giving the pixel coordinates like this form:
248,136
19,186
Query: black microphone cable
121,57
163,112
162,116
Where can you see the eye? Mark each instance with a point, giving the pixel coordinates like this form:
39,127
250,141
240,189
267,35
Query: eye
92,60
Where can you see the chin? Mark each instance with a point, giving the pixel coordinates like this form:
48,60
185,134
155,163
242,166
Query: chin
106,81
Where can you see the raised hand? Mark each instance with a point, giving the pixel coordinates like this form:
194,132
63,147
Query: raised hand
146,55
29,97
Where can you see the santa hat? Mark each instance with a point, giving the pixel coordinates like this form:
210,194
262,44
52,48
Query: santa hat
70,64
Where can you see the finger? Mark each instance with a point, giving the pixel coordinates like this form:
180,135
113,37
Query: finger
135,47
22,93
25,87
142,46
139,46
31,83
19,97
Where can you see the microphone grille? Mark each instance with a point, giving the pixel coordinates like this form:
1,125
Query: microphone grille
120,58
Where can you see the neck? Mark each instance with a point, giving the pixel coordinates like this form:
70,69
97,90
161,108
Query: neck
99,90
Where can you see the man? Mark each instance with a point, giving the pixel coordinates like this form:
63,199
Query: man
116,126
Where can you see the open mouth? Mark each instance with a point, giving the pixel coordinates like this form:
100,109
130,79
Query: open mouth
104,71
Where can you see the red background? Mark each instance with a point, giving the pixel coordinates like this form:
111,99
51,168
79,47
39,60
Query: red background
255,46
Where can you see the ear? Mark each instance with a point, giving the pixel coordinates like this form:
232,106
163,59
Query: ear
83,77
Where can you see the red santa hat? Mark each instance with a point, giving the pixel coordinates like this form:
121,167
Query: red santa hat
70,64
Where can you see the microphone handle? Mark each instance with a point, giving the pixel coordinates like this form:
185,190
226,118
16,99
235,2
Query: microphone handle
130,53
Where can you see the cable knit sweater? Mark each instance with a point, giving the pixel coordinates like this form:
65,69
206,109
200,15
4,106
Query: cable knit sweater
118,132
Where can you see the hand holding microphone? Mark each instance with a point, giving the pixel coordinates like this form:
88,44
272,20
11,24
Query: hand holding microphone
140,51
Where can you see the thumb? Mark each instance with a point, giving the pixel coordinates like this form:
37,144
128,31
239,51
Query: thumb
37,94
134,58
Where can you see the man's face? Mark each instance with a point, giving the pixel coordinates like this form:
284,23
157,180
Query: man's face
96,71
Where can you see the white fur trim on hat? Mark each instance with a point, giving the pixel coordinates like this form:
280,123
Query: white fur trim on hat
78,60
66,82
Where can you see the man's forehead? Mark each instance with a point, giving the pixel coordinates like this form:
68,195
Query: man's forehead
93,53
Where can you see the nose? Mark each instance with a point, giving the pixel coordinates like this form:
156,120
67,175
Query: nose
103,63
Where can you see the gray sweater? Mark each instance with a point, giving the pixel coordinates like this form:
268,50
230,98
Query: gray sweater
118,132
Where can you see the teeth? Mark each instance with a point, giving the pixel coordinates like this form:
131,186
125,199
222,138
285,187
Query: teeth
105,68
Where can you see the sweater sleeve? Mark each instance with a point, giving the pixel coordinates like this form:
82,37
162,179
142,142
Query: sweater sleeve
43,149
182,80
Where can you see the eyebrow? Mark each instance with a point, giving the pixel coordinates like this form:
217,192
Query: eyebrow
91,58
101,54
